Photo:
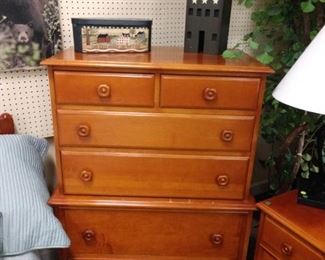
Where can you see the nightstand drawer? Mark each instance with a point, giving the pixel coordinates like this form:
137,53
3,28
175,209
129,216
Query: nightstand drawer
154,130
127,233
284,243
209,92
263,254
114,89
160,175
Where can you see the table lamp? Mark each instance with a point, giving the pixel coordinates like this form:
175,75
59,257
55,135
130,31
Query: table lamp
303,87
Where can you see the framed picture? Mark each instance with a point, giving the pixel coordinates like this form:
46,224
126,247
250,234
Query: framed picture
29,32
98,35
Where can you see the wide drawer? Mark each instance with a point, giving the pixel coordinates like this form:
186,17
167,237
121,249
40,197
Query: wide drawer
115,89
209,92
286,244
153,175
155,130
143,233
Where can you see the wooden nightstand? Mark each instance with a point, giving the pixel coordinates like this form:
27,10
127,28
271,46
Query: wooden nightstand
289,230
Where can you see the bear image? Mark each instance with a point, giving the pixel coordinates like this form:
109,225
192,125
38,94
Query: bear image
25,12
34,26
23,33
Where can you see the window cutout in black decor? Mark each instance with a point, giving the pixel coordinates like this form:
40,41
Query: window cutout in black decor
199,12
216,12
201,41
207,12
190,11
214,37
189,35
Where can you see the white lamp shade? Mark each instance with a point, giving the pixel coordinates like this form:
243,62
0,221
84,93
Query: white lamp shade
304,85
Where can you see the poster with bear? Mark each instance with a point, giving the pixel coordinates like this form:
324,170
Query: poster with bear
29,32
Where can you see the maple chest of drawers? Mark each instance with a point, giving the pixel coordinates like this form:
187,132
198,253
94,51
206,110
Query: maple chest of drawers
155,153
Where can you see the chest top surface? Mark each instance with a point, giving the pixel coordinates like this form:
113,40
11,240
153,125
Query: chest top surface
160,58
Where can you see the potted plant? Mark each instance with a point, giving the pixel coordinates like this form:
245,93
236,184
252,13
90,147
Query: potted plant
283,29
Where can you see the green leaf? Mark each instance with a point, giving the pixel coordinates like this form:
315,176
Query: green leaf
307,6
277,66
314,168
274,10
265,58
268,47
232,54
307,157
304,166
305,175
248,3
313,33
254,45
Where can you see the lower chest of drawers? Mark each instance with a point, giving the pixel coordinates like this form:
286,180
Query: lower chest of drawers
140,233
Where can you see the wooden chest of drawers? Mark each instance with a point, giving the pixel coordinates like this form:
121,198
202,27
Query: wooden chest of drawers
155,153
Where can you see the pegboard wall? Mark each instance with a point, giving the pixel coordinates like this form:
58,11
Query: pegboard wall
25,94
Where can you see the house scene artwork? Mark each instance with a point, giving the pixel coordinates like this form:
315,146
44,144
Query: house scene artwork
29,32
114,39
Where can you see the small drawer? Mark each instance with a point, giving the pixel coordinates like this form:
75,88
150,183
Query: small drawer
160,175
154,130
134,234
286,244
262,254
90,88
209,92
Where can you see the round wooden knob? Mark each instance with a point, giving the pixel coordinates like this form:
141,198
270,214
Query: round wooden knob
209,94
103,91
86,176
216,239
227,135
89,235
286,249
223,180
83,130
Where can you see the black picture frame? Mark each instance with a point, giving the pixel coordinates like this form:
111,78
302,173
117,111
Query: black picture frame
79,23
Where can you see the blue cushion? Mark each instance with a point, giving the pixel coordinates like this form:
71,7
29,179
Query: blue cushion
28,223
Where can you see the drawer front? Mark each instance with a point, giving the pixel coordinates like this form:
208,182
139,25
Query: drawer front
209,92
104,89
153,175
262,254
154,233
286,244
154,130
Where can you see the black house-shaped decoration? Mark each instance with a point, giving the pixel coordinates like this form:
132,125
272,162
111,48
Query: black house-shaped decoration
207,26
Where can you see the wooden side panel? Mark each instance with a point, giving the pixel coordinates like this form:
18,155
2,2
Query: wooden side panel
153,175
114,89
150,130
209,92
